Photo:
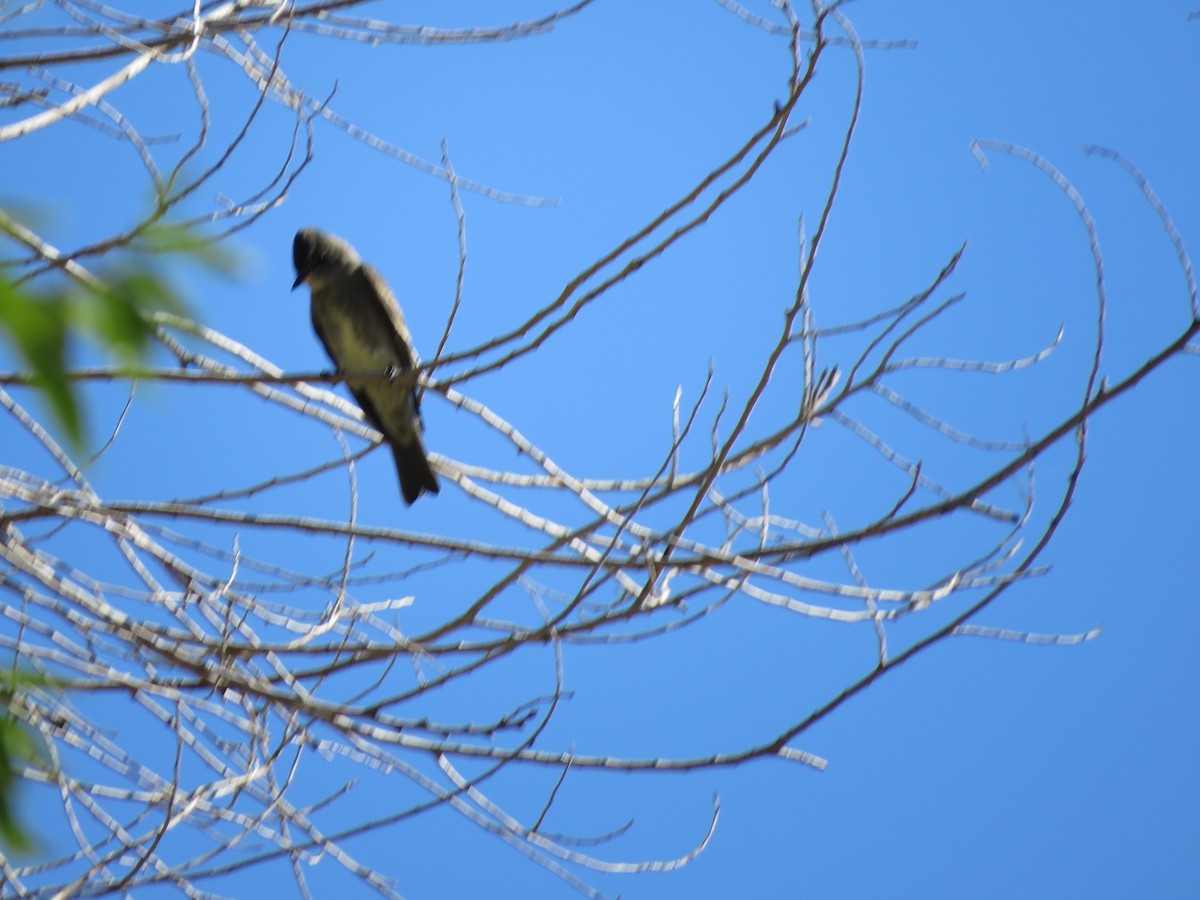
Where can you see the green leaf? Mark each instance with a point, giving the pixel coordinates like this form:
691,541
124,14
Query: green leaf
117,314
18,747
165,237
15,745
38,331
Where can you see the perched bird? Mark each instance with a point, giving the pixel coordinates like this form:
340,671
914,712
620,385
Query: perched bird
357,318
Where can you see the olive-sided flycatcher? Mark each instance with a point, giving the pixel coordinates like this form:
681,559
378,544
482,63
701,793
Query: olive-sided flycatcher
357,318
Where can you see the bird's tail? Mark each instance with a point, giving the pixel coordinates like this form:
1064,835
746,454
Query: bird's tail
416,475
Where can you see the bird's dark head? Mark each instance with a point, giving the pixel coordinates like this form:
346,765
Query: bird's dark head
317,255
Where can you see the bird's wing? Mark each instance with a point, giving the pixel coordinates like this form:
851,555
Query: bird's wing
388,310
385,301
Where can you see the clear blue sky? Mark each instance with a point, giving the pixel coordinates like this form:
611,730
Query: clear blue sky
982,768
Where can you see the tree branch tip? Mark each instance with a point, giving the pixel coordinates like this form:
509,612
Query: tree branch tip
977,152
1097,150
801,756
1027,637
797,128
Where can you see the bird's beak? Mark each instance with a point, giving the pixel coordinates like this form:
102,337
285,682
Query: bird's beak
299,280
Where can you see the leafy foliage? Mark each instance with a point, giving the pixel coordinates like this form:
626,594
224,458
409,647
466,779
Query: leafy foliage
110,311
17,745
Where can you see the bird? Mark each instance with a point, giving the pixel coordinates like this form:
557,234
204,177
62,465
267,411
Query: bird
357,318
